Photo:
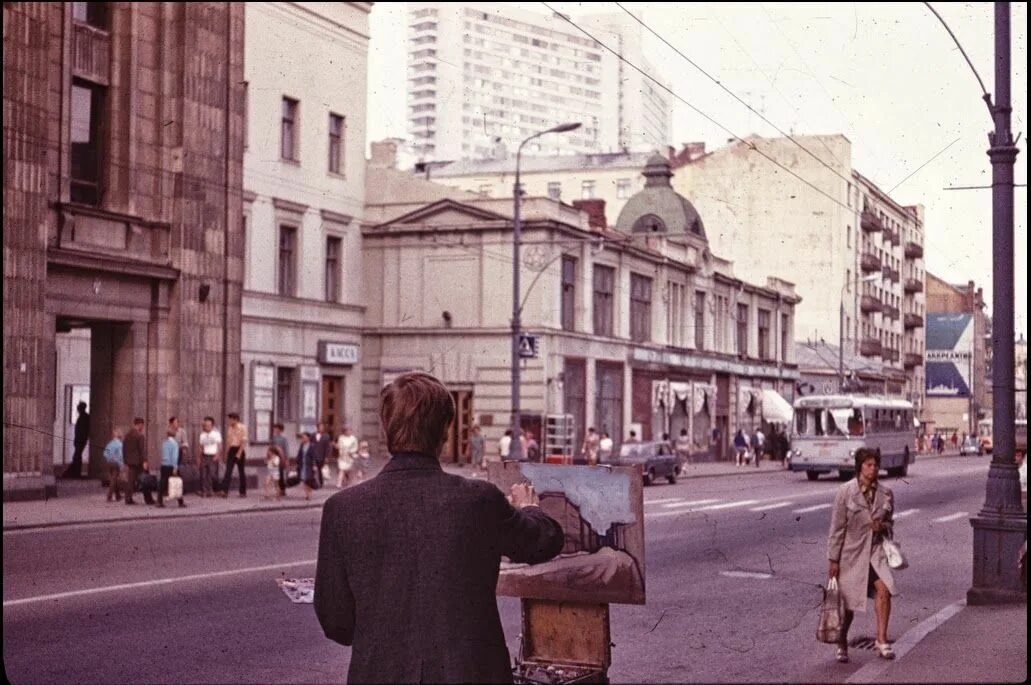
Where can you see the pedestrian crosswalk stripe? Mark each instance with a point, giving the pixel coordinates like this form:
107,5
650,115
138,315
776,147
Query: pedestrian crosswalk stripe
677,505
767,507
728,505
806,510
904,514
951,517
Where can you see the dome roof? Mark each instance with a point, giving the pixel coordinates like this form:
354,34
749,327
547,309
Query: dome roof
657,208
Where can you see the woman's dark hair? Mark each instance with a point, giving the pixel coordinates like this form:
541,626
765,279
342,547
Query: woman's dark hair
864,453
416,411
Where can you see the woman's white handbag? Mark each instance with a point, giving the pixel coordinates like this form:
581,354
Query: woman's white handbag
175,487
893,553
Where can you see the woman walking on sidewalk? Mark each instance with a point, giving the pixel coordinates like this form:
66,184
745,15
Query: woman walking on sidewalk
860,520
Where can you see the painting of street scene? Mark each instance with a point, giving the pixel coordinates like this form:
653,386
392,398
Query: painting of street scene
601,513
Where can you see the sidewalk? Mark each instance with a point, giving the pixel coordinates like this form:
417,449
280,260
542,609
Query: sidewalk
961,644
84,501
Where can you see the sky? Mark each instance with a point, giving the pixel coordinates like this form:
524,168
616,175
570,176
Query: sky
886,75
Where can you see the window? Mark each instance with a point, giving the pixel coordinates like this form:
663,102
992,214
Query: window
699,320
87,147
604,279
288,144
640,308
742,330
333,269
243,241
568,293
719,328
848,236
764,334
246,111
336,138
848,280
284,393
287,261
555,190
674,314
91,13
587,190
785,337
623,188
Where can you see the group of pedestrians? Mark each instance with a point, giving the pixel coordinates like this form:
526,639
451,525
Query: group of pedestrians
750,449
217,458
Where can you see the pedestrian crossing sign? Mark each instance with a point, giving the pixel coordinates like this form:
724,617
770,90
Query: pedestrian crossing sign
529,346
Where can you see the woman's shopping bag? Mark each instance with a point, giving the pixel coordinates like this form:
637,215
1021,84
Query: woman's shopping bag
175,487
832,614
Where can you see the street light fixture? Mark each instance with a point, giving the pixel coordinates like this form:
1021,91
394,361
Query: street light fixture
841,329
516,450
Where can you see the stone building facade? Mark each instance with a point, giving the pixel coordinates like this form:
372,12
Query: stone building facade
638,328
304,177
122,205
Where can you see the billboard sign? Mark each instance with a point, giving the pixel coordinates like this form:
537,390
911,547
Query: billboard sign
949,355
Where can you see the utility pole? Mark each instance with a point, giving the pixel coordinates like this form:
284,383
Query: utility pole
1000,528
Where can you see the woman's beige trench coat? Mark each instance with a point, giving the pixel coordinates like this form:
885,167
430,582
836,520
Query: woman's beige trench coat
853,544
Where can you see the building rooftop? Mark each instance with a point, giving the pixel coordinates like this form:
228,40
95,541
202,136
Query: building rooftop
529,165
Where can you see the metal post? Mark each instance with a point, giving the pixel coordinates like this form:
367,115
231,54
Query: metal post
841,343
516,449
1000,528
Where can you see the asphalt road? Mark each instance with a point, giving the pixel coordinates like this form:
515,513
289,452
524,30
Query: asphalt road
733,572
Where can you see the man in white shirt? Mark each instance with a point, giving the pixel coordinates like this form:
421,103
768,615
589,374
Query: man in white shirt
210,452
505,445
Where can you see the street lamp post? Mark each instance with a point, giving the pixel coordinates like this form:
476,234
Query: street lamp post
841,330
516,450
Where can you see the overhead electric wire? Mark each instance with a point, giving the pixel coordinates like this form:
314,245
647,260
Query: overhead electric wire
666,88
938,154
733,94
986,96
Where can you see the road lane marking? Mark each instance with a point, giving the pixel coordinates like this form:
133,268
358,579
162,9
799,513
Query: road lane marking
664,499
152,583
904,514
776,505
746,574
950,517
806,510
677,505
728,505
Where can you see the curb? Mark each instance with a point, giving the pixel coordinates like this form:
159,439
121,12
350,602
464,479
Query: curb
875,670
161,517
745,471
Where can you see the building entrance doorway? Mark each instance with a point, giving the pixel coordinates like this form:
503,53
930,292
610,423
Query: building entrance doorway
456,449
333,404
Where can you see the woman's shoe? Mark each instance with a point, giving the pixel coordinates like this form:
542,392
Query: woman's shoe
842,655
884,650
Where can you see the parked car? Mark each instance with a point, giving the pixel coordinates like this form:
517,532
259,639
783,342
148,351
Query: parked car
970,446
656,459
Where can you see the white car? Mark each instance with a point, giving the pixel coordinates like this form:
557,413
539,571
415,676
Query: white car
970,446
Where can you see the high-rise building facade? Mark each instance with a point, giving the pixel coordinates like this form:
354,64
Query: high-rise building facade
515,72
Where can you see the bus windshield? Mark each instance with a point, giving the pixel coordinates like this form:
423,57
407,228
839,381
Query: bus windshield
833,422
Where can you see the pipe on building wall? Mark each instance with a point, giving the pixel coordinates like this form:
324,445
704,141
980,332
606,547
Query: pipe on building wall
225,230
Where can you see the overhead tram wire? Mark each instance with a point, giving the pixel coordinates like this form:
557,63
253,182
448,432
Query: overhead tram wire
666,88
733,94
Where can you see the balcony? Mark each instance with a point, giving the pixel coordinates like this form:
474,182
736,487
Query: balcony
893,236
910,360
913,321
913,285
914,250
870,222
889,355
91,50
891,274
869,262
891,312
870,304
870,347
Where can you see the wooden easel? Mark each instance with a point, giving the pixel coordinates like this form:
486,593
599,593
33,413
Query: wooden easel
567,635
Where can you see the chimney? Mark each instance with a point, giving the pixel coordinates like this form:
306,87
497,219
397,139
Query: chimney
595,210
688,153
384,154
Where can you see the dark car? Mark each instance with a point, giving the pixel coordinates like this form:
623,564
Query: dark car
656,459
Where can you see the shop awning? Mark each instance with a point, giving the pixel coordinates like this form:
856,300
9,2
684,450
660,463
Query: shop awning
776,409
